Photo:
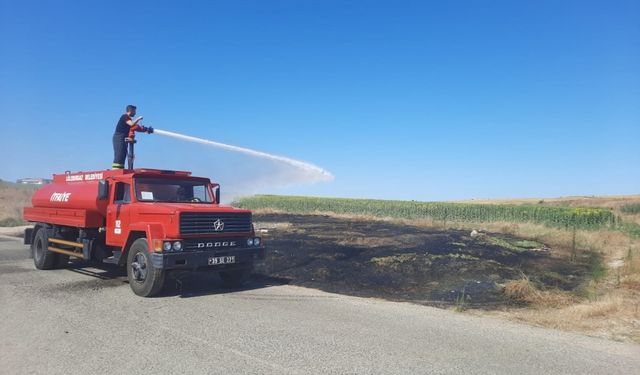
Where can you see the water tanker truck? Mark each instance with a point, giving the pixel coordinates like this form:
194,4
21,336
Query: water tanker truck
150,221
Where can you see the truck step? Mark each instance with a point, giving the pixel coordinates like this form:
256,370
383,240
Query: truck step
114,259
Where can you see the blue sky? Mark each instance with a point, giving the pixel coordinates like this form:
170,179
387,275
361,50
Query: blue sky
400,99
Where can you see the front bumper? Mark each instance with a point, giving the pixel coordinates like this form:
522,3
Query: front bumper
200,259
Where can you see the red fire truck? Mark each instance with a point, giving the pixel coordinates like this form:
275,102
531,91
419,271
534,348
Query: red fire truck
151,221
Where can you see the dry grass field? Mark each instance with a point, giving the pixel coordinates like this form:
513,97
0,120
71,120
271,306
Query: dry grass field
14,197
610,305
615,201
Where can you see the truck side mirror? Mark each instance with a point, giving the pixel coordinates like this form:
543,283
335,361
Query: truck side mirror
103,190
216,192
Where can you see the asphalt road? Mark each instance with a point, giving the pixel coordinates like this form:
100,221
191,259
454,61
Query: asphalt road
87,320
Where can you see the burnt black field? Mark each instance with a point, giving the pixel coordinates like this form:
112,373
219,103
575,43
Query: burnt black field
407,263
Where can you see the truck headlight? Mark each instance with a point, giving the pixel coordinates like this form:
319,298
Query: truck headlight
177,246
256,241
249,241
166,246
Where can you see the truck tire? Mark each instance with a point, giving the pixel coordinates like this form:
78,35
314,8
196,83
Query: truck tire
144,279
236,278
42,257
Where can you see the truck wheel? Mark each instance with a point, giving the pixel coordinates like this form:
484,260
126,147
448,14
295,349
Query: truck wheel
144,279
235,278
42,257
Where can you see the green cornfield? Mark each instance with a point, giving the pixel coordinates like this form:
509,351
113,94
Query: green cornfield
555,216
631,208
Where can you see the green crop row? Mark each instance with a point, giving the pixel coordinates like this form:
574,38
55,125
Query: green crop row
564,217
631,208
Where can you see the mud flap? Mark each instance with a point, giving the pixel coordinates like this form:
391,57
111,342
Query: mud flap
28,236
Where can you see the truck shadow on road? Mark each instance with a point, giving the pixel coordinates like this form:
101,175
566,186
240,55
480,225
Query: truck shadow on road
181,284
198,284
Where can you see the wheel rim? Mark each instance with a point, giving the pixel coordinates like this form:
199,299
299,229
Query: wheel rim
39,250
139,268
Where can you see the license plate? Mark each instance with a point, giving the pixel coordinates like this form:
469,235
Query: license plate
213,261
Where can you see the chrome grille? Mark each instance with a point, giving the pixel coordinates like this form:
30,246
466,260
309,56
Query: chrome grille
204,222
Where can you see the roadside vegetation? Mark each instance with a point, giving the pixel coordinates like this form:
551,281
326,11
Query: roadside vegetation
13,198
600,234
556,216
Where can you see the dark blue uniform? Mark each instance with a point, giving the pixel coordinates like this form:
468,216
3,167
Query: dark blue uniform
119,145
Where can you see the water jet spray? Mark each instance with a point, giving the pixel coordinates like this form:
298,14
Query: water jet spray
318,173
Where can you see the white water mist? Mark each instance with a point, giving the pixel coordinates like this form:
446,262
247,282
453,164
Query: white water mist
312,172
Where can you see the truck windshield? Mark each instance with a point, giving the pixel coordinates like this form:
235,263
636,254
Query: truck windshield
172,190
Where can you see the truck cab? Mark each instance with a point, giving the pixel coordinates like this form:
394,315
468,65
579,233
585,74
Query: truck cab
151,221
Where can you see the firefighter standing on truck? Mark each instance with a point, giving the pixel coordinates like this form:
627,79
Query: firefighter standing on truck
125,123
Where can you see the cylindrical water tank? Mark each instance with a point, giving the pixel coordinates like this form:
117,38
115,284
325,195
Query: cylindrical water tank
77,195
